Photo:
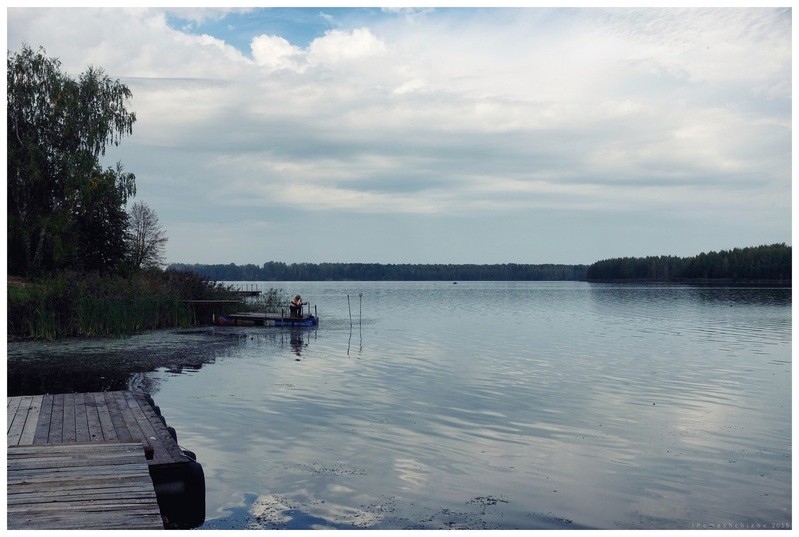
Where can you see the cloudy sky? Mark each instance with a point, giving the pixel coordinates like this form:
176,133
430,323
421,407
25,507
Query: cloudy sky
463,135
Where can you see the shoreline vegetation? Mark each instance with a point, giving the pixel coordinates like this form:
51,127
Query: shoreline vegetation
74,304
71,303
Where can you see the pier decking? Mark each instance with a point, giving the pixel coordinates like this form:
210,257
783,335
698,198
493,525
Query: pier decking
107,452
80,486
91,417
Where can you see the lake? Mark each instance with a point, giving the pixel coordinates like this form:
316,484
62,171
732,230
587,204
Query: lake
476,405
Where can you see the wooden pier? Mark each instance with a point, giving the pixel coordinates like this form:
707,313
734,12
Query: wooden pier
91,448
207,311
80,486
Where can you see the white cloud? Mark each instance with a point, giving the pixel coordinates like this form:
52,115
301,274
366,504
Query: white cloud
339,46
491,112
335,49
273,52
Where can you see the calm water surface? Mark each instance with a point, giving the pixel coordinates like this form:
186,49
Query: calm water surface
486,405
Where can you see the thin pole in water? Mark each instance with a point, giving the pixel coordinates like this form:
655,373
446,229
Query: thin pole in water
349,308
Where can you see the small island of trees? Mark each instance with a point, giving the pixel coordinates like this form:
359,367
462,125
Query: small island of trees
761,264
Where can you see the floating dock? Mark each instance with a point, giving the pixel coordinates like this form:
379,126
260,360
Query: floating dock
267,319
77,438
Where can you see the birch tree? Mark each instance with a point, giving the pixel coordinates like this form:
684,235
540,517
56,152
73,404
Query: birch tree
57,129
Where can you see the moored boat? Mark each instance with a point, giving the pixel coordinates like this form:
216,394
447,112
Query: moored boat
266,319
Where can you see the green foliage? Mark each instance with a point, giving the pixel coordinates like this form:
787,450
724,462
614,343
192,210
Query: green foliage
81,304
756,264
275,271
64,211
100,221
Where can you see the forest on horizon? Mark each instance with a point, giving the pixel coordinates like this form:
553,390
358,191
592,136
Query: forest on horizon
760,264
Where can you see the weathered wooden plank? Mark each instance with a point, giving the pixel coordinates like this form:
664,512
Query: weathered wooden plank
88,484
81,420
16,422
36,481
61,473
87,447
79,490
119,423
88,517
44,484
52,498
57,469
29,430
95,486
57,420
43,425
98,454
114,493
108,431
93,417
124,411
47,460
98,521
46,464
69,434
11,408
126,504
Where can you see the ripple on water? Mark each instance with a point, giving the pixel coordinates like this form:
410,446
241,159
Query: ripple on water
587,406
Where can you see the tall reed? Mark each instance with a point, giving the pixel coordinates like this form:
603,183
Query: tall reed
74,304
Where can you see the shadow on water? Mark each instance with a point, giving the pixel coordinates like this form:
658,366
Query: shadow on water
89,365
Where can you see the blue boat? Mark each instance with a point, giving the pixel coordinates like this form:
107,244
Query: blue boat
266,319
310,320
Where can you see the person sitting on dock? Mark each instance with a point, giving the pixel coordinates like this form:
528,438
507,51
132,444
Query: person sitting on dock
295,307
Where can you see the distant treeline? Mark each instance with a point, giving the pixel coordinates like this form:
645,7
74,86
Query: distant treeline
756,264
767,264
278,271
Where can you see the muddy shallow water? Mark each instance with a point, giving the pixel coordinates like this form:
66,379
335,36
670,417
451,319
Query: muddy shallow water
506,405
